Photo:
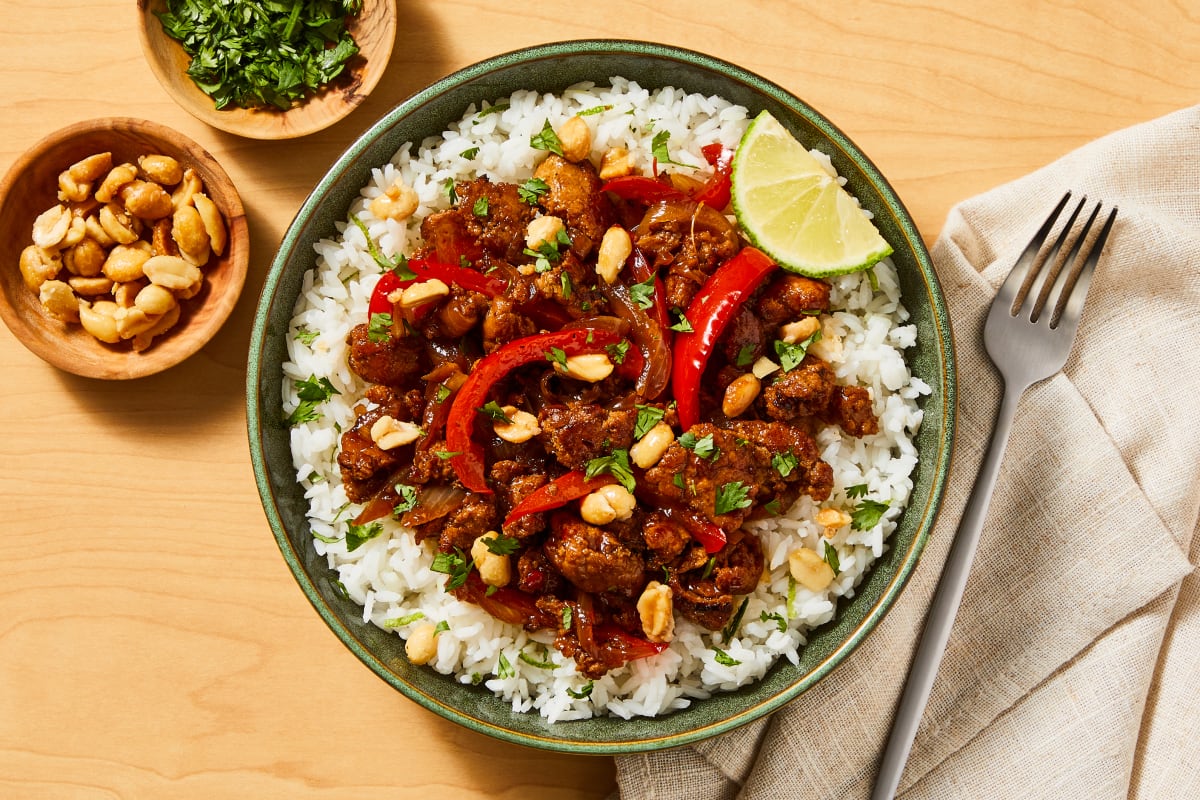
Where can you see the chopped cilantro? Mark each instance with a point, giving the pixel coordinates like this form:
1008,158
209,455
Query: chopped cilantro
325,539
480,208
772,507
731,629
658,147
866,515
647,418
379,328
443,392
476,678
546,139
408,499
791,597
616,464
446,455
357,534
677,479
585,692
441,626
503,668
453,564
566,617
618,351
489,591
502,545
448,188
858,490
565,280
311,391
790,355
532,189
702,447
780,622
470,152
683,325
495,411
407,619
784,463
730,497
493,109
745,356
557,355
643,293
721,657
831,558
587,112
306,337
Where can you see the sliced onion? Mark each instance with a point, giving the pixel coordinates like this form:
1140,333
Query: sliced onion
647,335
433,502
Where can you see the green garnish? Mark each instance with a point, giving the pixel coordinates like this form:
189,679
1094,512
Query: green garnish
453,564
448,188
565,280
567,615
784,463
831,558
683,325
441,626
587,112
557,355
708,567
340,589
546,139
791,598
533,662
721,657
502,545
494,109
858,490
704,447
780,622
618,351
586,691
379,328
407,619
408,499
311,391
790,355
252,54
532,189
493,409
357,534
643,293
731,629
443,391
470,152
480,208
745,356
616,464
325,539
730,497
503,668
306,337
647,418
677,479
446,455
772,507
658,147
866,515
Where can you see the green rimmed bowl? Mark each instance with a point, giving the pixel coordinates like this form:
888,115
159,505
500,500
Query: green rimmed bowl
551,68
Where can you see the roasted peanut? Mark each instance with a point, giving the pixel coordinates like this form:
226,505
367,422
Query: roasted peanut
163,170
214,225
832,518
656,609
127,262
51,226
607,504
575,138
160,239
119,224
91,169
90,287
764,367
421,645
71,190
829,347
590,367
189,233
172,272
543,229
95,230
117,177
76,232
132,321
615,248
59,301
188,186
146,200
124,294
398,202
522,426
424,292
388,432
810,570
495,569
38,266
647,451
164,323
616,163
740,394
99,319
799,330
154,299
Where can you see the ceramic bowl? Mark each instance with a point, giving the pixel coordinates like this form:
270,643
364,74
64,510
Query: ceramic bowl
373,29
550,68
31,187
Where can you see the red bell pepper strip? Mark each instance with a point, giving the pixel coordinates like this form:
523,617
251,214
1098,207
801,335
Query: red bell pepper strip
507,605
643,189
715,193
710,312
704,531
425,270
467,461
631,647
557,493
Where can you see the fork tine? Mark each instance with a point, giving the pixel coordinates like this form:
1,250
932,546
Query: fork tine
1036,280
1012,291
1073,295
1066,252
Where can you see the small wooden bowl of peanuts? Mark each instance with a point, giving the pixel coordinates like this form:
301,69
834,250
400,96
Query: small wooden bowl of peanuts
123,248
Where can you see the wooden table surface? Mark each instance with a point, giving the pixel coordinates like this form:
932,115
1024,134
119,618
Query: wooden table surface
152,641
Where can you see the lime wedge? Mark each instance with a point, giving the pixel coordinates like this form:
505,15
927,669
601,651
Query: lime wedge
795,211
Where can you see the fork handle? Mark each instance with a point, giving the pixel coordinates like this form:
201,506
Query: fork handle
944,606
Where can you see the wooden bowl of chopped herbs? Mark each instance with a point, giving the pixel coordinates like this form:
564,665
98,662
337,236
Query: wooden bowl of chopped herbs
268,70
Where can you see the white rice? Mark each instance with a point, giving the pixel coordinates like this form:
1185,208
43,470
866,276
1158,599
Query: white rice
390,575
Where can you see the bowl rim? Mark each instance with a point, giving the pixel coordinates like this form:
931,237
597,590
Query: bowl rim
947,389
168,353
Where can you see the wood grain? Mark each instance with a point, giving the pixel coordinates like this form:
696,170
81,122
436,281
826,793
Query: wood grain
152,641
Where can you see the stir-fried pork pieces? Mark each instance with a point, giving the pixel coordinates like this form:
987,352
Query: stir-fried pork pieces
593,493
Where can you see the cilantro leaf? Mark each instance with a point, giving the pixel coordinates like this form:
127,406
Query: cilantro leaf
643,293
495,411
546,139
502,545
858,490
357,534
306,337
453,564
408,499
647,418
532,189
446,455
658,147
723,658
443,392
784,463
616,464
617,352
866,515
469,153
780,622
480,208
703,447
831,558
565,280
493,109
315,389
441,626
567,615
557,355
790,355
407,619
731,496
745,356
683,325
379,328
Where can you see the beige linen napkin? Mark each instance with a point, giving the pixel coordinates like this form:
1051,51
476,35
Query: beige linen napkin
1070,672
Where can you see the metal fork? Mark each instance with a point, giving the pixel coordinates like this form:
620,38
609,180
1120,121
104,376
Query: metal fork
1028,335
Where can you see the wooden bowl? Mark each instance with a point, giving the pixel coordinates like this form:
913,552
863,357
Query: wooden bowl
373,29
31,187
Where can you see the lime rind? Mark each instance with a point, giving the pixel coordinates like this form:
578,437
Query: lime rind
791,208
